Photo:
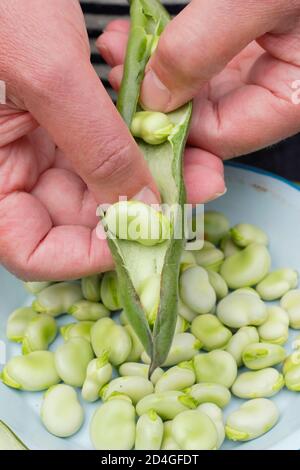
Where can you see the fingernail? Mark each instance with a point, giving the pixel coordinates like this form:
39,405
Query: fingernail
105,52
217,195
147,196
154,94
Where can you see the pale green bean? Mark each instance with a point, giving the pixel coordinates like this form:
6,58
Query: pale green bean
166,404
36,287
253,419
261,355
196,291
176,378
240,340
34,372
141,370
135,388
72,359
209,257
291,371
259,384
277,283
84,310
215,414
291,303
150,297
246,268
81,329
185,312
99,373
149,432
136,346
211,333
168,442
109,337
228,246
57,298
216,226
90,287
245,234
153,127
61,412
39,334
17,323
217,367
194,430
276,328
113,425
110,292
218,283
210,393
242,309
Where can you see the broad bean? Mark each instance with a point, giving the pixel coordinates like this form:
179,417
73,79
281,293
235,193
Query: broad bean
194,430
277,283
259,384
210,393
166,404
57,298
135,388
195,290
261,355
149,432
211,333
240,340
217,367
72,359
176,378
241,309
106,335
39,334
84,310
99,373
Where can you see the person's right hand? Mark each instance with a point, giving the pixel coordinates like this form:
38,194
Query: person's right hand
239,60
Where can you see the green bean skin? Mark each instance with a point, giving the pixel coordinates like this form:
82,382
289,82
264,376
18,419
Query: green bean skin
291,371
261,355
240,340
77,330
209,257
245,234
135,388
176,378
153,127
238,310
166,404
36,287
276,328
196,291
110,291
84,310
141,370
72,359
216,226
207,392
210,332
259,384
290,302
168,442
216,416
99,373
39,334
277,283
217,367
217,282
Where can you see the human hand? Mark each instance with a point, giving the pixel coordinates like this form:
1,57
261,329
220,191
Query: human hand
63,146
238,60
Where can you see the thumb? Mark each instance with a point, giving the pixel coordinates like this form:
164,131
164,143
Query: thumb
199,43
82,120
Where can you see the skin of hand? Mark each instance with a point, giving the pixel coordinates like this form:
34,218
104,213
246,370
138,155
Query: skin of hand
64,148
240,61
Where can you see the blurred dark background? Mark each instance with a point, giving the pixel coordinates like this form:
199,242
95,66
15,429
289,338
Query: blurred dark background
281,159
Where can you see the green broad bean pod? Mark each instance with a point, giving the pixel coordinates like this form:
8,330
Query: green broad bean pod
84,310
166,404
291,371
110,291
242,309
149,432
196,291
258,356
138,222
34,372
217,282
150,296
246,268
81,329
90,287
245,234
216,415
17,323
61,413
290,302
276,328
217,367
240,340
113,425
140,370
194,430
228,246
209,257
216,226
210,393
39,334
253,419
184,347
153,127
8,440
72,359
258,384
57,298
36,287
176,378
109,337
99,373
211,333
168,442
277,283
136,346
135,388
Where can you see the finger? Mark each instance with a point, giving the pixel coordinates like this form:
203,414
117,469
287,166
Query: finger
79,207
14,124
33,249
204,176
115,77
198,44
112,47
121,26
